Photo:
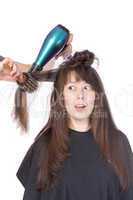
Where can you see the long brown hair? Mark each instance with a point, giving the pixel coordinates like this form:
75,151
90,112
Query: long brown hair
54,143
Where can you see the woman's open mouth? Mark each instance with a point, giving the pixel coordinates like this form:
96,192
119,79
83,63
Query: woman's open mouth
80,107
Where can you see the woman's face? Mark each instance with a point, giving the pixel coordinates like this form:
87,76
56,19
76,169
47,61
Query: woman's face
78,99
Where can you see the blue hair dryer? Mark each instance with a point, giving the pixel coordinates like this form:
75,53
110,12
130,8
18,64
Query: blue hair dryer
53,44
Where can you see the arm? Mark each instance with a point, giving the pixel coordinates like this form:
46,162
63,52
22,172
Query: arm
23,67
12,70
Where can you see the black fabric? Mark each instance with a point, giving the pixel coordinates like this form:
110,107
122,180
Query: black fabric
1,58
85,176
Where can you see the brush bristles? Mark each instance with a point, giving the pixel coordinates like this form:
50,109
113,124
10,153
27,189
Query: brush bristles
29,85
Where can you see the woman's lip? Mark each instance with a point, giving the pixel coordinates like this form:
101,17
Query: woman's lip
80,105
79,109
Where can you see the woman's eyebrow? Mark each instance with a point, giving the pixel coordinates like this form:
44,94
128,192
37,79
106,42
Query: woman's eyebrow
71,82
77,82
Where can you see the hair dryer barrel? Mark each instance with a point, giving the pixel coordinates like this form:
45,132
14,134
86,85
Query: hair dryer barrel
52,45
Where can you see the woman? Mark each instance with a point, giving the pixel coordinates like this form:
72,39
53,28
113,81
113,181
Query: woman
80,154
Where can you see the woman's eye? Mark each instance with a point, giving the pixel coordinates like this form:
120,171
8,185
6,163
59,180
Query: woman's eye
71,87
86,87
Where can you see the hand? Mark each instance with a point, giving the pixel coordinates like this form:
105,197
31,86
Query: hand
66,52
9,71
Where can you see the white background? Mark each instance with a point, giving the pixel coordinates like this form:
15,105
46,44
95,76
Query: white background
104,27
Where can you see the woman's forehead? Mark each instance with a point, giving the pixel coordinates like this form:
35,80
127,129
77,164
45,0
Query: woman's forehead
73,77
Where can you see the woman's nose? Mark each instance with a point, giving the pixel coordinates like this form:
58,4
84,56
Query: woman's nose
80,94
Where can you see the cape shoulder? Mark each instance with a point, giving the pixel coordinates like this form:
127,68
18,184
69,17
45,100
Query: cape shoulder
30,160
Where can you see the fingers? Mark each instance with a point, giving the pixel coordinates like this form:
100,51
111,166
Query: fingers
6,65
7,78
15,75
8,62
15,70
1,66
3,63
9,70
70,39
67,52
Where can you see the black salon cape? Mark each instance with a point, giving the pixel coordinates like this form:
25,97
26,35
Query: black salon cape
85,176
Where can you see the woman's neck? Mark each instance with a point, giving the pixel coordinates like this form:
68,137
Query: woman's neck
79,125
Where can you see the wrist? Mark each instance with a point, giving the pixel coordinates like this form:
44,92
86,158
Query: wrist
23,67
